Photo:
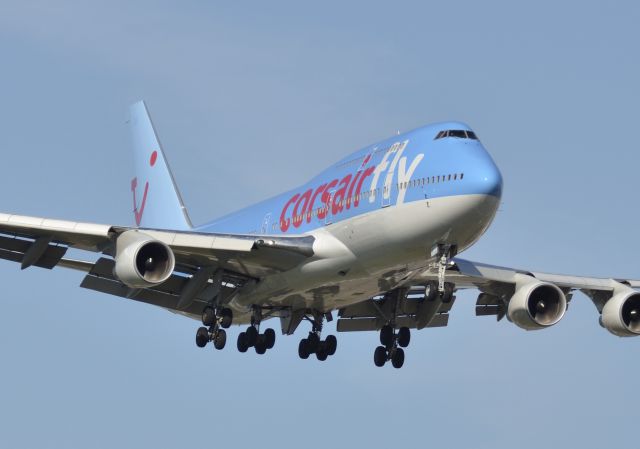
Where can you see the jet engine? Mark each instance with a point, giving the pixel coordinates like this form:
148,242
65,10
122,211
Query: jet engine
142,261
536,305
621,314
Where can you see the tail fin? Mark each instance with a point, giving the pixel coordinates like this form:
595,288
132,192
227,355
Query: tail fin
156,199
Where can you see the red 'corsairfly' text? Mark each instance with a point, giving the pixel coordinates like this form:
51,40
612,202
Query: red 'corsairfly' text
332,197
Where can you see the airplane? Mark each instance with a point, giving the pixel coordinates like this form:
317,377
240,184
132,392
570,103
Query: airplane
372,241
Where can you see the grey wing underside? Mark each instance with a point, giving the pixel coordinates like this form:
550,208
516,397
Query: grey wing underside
34,241
495,283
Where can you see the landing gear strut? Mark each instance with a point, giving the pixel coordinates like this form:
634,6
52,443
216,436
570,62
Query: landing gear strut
443,288
216,321
252,336
313,344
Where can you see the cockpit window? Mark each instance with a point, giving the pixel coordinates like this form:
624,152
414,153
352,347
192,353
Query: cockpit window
459,133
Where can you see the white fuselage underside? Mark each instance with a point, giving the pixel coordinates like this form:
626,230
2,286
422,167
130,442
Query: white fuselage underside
361,257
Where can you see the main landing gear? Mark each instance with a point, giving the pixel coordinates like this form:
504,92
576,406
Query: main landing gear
392,344
216,321
252,336
313,344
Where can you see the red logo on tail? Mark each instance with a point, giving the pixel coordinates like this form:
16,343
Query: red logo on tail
138,212
134,185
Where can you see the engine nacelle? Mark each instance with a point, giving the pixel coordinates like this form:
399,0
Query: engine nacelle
142,261
536,305
621,314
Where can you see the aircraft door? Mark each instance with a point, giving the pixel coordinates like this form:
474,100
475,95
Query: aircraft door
385,196
266,221
328,218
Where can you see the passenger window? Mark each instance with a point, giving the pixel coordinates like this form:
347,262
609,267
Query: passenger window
449,179
461,175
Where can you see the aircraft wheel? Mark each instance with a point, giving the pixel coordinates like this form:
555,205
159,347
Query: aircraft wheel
447,294
331,343
208,316
386,336
243,342
321,352
380,356
398,358
303,349
252,335
202,337
220,339
431,291
270,337
226,318
261,344
313,341
404,337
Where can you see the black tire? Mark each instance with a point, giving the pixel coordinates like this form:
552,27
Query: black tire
208,316
220,339
431,291
321,352
386,336
380,356
447,294
202,337
303,349
252,335
243,342
270,337
398,358
226,318
313,341
404,337
331,343
261,344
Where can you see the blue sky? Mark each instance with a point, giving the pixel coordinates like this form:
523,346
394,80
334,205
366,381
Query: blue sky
253,98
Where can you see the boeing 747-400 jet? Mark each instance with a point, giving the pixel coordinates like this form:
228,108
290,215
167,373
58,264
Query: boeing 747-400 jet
371,241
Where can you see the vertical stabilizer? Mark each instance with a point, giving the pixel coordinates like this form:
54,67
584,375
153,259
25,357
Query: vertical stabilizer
156,199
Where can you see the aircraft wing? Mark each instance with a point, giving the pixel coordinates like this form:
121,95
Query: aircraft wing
43,242
497,286
502,281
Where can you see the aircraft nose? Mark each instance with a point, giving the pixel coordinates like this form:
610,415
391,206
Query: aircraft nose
484,176
490,179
